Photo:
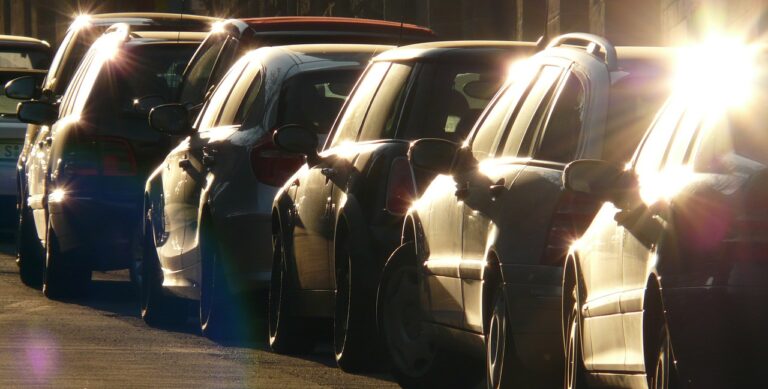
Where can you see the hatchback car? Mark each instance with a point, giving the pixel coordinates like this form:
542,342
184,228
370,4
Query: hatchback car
667,286
483,249
19,57
86,178
336,221
81,34
230,39
208,206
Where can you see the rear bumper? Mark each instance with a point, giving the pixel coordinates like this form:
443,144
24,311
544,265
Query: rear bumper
718,334
534,296
101,233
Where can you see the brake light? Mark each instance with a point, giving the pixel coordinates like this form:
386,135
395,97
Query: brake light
117,158
401,188
271,165
573,215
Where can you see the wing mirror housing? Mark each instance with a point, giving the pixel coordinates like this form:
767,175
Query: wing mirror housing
37,112
171,119
144,105
432,154
605,180
23,88
296,139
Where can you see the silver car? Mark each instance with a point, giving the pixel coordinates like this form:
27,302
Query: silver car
208,205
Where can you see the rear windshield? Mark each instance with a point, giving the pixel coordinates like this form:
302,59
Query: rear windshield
24,58
447,99
313,99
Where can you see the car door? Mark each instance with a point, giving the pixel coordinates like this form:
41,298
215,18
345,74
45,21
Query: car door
192,169
642,233
490,204
313,197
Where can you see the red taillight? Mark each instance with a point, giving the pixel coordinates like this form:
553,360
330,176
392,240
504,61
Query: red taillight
100,155
117,158
401,189
573,215
271,165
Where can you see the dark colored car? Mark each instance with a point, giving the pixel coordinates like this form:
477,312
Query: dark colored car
482,250
338,218
667,287
208,206
83,31
232,38
19,57
86,179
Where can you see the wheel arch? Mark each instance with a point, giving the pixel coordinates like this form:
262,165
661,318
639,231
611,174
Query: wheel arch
654,318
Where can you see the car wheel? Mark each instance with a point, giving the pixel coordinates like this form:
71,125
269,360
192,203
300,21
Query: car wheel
157,309
503,370
574,365
287,334
29,255
216,316
62,279
416,359
660,376
354,324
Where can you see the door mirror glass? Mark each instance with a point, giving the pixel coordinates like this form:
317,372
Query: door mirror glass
603,179
37,112
298,140
171,119
432,154
23,88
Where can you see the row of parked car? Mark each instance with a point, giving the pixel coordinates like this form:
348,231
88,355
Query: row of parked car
436,205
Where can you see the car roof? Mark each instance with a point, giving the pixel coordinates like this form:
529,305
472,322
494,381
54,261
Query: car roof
453,49
23,41
154,20
169,36
310,52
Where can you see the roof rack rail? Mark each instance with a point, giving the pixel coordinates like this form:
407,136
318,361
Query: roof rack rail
592,43
122,28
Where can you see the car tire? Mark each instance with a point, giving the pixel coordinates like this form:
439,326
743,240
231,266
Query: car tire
416,359
29,254
661,375
354,320
503,369
288,334
217,319
575,374
156,308
61,277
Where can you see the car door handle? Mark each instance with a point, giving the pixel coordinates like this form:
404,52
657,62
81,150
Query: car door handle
328,172
497,190
209,156
185,164
48,141
462,193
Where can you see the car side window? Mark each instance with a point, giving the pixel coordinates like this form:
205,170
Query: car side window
380,123
563,128
247,111
214,107
654,147
70,96
535,103
348,127
200,68
249,84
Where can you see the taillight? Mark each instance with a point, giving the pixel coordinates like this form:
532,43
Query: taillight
573,215
271,165
401,188
117,158
100,155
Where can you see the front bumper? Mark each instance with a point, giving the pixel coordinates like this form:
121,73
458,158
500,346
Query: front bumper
99,233
534,298
718,334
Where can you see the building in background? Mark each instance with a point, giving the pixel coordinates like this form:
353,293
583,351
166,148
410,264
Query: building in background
636,22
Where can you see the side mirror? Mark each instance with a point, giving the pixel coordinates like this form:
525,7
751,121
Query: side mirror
145,104
171,119
37,112
432,154
603,179
298,140
23,88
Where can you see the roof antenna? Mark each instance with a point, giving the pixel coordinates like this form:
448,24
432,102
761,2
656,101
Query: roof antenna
402,23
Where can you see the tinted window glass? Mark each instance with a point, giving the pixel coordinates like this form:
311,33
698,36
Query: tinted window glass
447,99
655,145
561,135
735,142
200,68
248,106
80,44
352,118
215,104
314,99
380,122
21,58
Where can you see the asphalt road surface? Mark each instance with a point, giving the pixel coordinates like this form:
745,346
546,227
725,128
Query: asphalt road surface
99,341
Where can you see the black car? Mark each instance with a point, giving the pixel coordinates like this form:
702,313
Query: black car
337,219
86,178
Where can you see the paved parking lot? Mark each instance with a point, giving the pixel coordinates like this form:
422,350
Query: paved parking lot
100,341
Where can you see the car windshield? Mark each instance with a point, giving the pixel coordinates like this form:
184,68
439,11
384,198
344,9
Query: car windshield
448,98
313,99
23,58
